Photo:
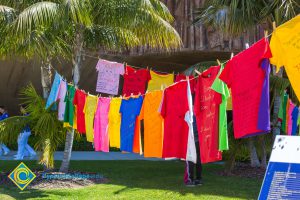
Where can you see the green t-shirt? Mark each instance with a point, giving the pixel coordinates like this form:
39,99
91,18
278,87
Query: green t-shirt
284,105
69,111
220,87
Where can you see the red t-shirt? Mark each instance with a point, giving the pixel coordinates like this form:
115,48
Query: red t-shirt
135,81
180,77
206,109
244,75
173,109
79,101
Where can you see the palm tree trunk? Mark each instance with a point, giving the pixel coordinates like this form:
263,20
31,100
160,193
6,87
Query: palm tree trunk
46,77
253,154
76,77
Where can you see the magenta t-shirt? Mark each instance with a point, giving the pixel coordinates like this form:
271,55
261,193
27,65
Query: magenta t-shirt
101,140
61,97
290,120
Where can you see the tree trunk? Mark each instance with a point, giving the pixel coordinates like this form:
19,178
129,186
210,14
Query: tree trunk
253,154
46,76
76,77
264,152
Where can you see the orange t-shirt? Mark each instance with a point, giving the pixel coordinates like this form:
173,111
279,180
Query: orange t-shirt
153,124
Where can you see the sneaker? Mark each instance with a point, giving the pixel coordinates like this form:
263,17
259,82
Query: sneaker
189,184
198,182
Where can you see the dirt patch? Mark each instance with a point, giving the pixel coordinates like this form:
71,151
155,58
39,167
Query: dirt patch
57,180
246,171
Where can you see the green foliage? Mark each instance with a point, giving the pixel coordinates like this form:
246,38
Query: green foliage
49,133
234,17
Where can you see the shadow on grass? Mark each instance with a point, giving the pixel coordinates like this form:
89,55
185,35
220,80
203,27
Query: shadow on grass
129,177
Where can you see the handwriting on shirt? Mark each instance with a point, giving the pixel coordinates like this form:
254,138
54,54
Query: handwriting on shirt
294,41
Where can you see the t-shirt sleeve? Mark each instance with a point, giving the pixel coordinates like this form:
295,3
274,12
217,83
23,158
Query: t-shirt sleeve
163,105
142,113
98,66
75,101
277,53
122,106
121,69
139,105
226,76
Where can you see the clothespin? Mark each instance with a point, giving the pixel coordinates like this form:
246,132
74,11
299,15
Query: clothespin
197,72
139,94
219,63
131,95
274,25
232,54
187,78
266,33
162,87
147,68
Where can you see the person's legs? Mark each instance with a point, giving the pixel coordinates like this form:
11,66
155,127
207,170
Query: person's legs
189,173
198,166
21,146
29,150
5,149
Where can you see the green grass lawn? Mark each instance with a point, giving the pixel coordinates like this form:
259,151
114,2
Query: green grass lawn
140,180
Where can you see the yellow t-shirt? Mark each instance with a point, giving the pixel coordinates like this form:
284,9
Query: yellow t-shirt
285,48
89,115
114,122
153,124
158,80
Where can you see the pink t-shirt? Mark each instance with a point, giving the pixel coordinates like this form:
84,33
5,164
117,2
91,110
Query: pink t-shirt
108,76
101,140
62,91
290,120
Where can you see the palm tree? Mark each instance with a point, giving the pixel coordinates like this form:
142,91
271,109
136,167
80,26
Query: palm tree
236,17
93,24
48,130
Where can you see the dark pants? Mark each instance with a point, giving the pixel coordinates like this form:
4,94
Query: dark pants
190,167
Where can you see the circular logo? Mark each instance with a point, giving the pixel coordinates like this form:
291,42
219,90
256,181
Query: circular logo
21,176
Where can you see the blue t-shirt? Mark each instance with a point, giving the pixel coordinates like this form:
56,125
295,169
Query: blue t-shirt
4,116
295,115
129,110
54,90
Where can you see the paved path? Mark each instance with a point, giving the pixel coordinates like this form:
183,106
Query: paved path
89,155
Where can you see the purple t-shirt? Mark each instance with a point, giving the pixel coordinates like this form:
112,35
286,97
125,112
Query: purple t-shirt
264,106
108,76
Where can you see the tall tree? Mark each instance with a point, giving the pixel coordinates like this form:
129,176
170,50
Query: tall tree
109,25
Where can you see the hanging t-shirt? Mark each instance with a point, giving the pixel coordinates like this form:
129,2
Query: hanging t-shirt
79,102
130,109
153,124
173,110
191,153
69,110
245,75
220,87
54,90
285,48
135,81
182,77
206,107
101,139
290,120
89,115
62,91
137,140
109,76
280,112
114,122
284,111
299,121
295,115
159,80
